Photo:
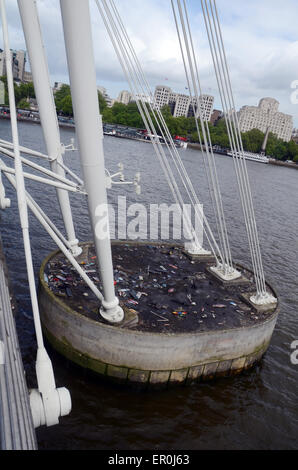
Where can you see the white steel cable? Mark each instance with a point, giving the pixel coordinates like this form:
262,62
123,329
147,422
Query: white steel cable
241,160
238,133
212,159
123,54
156,143
206,135
163,122
203,151
241,176
232,143
160,121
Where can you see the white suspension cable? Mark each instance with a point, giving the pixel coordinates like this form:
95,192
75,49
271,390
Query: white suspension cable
160,116
240,143
217,200
239,172
144,105
129,70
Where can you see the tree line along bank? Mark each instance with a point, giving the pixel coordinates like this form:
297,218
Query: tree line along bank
128,115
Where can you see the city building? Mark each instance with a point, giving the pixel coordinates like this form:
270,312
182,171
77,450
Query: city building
57,86
142,97
18,59
295,135
162,96
124,97
206,107
27,77
266,116
216,116
104,93
180,104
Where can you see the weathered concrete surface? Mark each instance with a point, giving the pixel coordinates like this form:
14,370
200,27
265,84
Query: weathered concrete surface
149,357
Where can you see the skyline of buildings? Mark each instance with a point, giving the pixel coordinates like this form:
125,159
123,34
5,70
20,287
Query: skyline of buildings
263,117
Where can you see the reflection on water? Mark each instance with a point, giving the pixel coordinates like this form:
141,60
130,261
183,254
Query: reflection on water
257,410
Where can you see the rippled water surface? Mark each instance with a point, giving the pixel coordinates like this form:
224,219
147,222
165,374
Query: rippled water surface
257,410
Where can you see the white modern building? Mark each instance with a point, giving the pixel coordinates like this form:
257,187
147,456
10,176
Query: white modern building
206,107
180,104
124,97
162,96
104,93
264,116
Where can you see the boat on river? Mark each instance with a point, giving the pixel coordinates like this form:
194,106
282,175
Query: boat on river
254,157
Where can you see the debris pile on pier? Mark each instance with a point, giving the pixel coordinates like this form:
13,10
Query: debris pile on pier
167,290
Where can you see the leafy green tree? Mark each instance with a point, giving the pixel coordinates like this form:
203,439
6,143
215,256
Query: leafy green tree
292,150
252,140
101,102
22,91
108,116
66,105
23,104
60,100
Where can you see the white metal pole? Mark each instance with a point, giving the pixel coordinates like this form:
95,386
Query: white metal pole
50,402
79,50
46,105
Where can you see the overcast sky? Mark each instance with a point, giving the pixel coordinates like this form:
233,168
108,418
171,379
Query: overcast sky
261,40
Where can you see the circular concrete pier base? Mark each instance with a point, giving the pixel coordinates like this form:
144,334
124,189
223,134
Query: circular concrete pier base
147,358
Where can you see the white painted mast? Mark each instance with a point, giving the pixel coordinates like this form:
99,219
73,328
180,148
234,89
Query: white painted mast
47,109
80,58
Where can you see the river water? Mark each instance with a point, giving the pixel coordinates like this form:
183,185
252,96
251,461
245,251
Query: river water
256,410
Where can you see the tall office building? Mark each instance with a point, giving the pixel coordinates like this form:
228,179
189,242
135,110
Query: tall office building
264,116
